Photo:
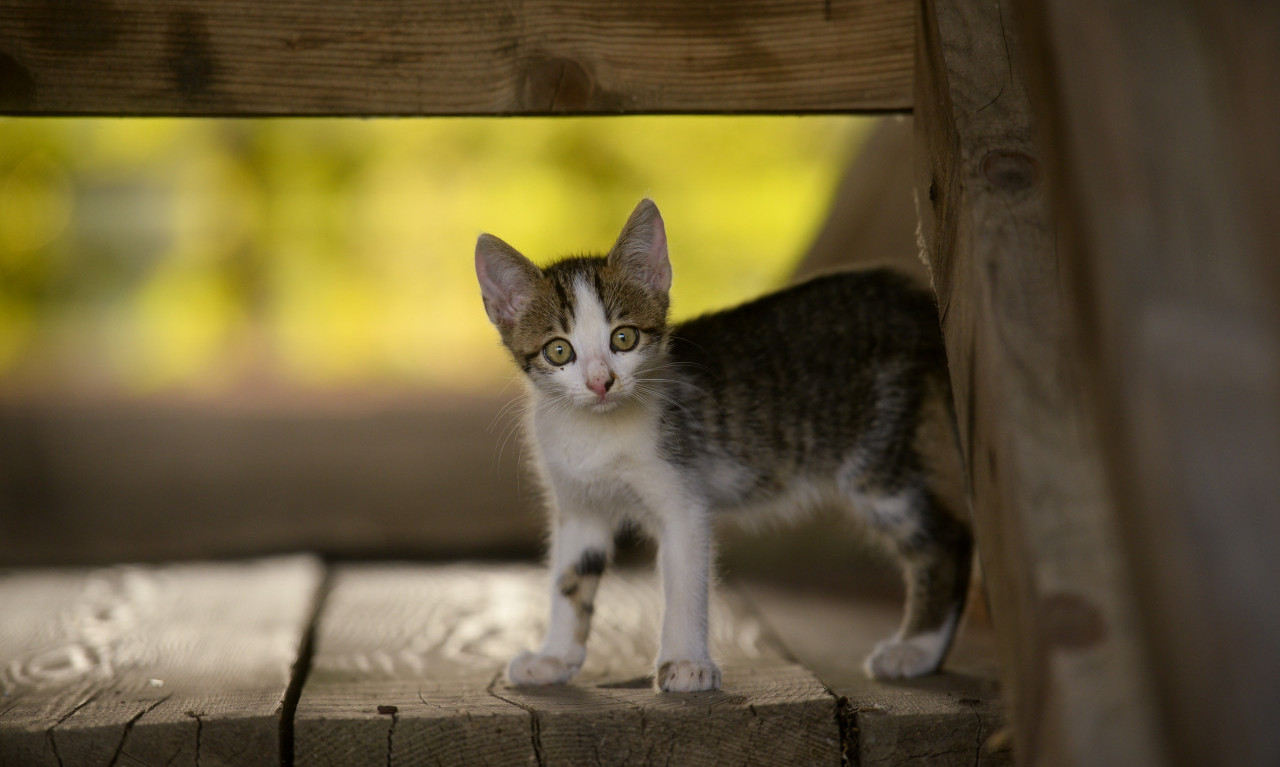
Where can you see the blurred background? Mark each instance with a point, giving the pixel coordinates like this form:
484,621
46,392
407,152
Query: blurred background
232,337
215,258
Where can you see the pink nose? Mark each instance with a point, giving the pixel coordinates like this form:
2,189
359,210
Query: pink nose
601,385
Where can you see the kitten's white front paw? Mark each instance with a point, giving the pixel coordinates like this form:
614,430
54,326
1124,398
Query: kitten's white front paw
688,676
904,658
535,668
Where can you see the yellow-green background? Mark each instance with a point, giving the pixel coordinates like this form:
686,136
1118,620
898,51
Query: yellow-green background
146,256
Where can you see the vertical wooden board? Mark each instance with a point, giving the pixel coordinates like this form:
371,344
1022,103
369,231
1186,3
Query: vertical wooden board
1061,596
182,664
1160,124
946,720
426,646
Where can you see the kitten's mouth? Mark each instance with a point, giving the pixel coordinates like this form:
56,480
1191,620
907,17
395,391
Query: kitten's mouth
603,403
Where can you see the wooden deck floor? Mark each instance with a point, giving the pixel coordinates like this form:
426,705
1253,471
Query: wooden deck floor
288,661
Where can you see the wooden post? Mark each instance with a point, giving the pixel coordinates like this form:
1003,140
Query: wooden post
1070,649
1162,124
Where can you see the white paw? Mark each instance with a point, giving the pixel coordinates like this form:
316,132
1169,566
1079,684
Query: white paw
536,668
688,676
904,658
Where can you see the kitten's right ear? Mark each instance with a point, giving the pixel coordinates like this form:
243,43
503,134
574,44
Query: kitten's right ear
507,280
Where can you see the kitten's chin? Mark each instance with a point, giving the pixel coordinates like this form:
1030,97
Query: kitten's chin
607,405
612,403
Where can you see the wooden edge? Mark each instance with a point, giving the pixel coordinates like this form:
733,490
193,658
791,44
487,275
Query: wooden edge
326,57
1061,600
953,718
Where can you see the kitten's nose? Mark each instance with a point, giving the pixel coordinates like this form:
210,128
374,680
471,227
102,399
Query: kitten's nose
601,384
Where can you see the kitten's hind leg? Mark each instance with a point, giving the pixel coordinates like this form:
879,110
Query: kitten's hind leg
936,552
580,549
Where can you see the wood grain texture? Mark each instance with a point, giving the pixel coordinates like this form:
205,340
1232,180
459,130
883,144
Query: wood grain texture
1060,594
426,646
953,719
242,57
1161,125
176,665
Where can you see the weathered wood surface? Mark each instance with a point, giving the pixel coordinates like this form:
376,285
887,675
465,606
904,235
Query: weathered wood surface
408,667
243,57
1061,598
97,483
1161,124
953,719
176,665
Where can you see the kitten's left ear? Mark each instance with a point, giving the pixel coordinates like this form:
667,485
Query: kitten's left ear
641,249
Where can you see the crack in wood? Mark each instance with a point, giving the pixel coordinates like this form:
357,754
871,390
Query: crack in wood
53,744
128,727
535,726
391,732
199,732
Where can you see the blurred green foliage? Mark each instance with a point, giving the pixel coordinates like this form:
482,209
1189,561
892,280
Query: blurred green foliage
140,256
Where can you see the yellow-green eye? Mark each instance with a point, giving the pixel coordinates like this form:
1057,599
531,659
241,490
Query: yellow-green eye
558,352
624,338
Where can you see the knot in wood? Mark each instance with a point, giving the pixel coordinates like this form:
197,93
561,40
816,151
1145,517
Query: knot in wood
1071,621
17,86
1009,170
556,84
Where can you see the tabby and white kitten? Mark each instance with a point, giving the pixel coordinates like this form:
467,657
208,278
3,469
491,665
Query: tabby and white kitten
805,396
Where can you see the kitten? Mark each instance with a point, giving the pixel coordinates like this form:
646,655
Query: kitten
808,395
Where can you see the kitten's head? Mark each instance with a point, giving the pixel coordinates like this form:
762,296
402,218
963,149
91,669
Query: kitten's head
587,331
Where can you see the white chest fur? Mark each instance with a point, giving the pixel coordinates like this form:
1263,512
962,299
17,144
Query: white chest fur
595,447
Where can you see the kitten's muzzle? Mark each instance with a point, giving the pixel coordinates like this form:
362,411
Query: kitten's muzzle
601,384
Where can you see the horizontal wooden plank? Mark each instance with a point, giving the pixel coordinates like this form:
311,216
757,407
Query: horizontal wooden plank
176,665
100,483
408,668
953,719
435,57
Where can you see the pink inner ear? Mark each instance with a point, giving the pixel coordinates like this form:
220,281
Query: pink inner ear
658,262
504,282
642,247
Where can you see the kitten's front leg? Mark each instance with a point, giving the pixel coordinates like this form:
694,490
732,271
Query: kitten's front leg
580,547
684,558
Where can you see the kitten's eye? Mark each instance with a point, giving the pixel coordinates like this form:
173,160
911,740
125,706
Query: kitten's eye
558,352
624,338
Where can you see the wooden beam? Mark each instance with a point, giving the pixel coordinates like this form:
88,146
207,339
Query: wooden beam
1161,123
435,57
178,665
1060,594
104,482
